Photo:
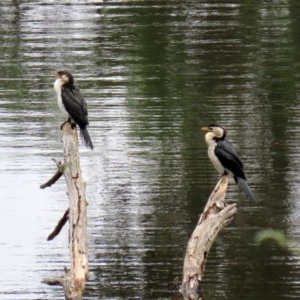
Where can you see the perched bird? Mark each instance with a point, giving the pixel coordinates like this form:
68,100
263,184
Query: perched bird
224,158
72,104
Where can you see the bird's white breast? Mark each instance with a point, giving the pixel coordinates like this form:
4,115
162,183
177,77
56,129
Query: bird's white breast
211,144
57,88
215,161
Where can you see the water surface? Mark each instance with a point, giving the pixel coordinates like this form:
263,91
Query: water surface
153,73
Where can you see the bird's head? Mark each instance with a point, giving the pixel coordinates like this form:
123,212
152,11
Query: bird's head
215,131
65,77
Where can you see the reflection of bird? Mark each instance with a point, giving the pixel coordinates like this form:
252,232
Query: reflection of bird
224,158
72,104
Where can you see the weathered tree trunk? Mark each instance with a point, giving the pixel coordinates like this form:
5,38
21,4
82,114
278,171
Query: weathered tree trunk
78,273
216,215
73,281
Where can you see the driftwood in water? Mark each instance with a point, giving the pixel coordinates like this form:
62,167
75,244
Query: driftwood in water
216,215
73,280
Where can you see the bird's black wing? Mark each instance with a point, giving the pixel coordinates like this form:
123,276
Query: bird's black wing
229,159
75,105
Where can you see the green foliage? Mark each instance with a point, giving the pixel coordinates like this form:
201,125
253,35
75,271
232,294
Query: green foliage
279,237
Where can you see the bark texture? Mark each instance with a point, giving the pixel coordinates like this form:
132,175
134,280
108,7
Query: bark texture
77,275
216,215
73,280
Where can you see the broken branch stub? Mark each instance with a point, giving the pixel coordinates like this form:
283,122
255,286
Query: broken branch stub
56,176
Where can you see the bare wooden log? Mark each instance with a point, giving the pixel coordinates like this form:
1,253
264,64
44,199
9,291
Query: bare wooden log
216,215
73,281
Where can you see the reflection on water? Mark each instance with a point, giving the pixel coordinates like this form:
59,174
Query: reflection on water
152,74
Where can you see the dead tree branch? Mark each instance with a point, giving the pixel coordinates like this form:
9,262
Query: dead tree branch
73,281
59,225
56,176
216,215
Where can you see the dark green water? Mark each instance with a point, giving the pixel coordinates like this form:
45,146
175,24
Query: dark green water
153,73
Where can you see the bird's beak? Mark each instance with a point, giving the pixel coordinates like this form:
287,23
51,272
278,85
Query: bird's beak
206,129
54,73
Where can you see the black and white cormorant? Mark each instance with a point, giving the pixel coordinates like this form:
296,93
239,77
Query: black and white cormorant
224,158
72,104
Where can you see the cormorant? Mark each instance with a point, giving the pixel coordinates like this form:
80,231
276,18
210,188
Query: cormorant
72,104
224,158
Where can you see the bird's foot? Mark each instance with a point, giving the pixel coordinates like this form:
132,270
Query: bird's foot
62,125
72,124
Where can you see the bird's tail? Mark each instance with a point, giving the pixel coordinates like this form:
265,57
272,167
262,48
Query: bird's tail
245,188
86,138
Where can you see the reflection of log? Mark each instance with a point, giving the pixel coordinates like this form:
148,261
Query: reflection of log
216,215
73,281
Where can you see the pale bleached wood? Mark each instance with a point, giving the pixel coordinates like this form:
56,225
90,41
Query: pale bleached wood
73,280
216,215
77,275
